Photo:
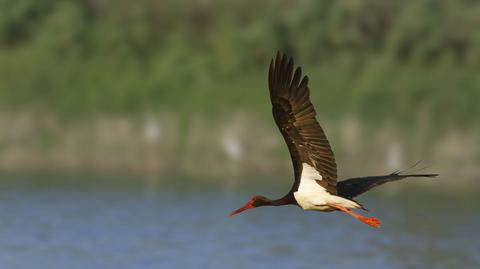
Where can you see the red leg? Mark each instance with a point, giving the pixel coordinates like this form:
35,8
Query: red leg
374,222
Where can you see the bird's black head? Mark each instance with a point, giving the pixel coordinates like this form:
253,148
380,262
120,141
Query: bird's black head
255,201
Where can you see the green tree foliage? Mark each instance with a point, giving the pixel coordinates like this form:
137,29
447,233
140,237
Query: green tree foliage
377,59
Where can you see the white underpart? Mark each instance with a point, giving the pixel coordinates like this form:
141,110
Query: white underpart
311,196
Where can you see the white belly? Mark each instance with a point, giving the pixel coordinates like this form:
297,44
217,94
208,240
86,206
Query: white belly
311,196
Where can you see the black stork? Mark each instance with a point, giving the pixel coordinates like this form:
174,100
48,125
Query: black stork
315,186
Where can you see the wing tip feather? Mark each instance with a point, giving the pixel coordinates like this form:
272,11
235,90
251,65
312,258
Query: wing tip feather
283,74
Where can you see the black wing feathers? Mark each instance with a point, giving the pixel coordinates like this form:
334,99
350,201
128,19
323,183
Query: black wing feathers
294,115
355,186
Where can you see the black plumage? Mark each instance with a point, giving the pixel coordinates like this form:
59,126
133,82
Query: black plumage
295,115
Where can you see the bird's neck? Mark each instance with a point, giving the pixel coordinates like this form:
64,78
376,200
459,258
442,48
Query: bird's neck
286,200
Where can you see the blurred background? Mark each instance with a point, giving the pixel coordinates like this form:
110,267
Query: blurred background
128,129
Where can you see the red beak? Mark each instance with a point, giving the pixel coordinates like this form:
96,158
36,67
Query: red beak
241,209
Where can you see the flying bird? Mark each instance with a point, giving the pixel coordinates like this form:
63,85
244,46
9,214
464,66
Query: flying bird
315,186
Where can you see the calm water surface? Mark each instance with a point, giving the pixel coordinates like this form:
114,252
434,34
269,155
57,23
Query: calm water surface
133,226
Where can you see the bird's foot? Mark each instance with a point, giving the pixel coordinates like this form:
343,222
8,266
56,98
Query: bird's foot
373,222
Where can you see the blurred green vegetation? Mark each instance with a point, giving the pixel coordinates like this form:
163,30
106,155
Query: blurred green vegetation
380,60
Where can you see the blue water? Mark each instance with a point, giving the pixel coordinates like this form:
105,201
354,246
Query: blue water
56,226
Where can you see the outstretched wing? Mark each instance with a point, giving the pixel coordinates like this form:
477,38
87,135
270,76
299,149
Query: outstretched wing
295,117
352,187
